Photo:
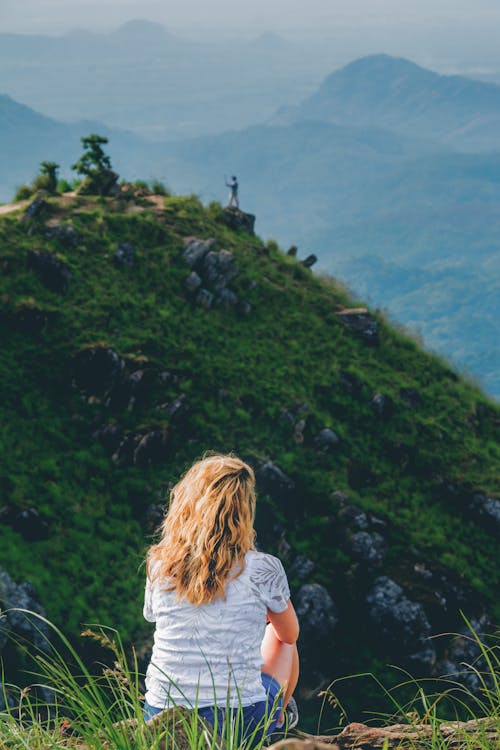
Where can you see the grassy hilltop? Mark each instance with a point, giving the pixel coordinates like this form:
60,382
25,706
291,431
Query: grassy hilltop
261,378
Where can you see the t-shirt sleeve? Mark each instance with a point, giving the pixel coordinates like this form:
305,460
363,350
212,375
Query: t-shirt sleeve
148,602
269,578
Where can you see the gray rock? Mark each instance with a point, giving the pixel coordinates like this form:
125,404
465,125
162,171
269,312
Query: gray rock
309,261
151,448
132,389
411,396
30,319
301,568
63,233
143,448
354,517
97,369
34,209
30,524
227,299
350,382
339,497
218,270
360,322
272,481
195,250
124,256
485,511
368,548
316,611
204,298
238,220
29,627
176,408
326,440
464,661
192,282
51,271
382,405
298,431
400,622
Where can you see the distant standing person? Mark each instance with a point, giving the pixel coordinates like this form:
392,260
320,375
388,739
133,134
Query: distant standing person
233,196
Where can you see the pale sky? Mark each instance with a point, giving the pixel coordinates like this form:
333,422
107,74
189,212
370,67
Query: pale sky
253,16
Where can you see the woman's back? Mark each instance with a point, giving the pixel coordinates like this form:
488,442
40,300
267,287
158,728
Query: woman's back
210,653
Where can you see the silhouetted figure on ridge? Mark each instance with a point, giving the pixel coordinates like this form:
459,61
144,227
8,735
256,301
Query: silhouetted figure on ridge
233,196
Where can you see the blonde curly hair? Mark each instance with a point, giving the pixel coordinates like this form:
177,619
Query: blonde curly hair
207,531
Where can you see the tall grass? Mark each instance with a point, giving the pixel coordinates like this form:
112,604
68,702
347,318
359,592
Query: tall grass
67,705
439,711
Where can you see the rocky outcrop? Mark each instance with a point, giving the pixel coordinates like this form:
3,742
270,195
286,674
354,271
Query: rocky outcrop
350,383
110,435
31,525
309,261
272,481
177,408
130,391
382,405
21,626
238,220
29,318
145,447
97,370
301,568
124,255
477,506
400,622
211,274
63,233
316,612
360,322
485,511
35,209
326,441
51,271
195,250
411,397
368,548
353,517
462,651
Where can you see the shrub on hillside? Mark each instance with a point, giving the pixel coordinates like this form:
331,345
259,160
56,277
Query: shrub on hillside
24,192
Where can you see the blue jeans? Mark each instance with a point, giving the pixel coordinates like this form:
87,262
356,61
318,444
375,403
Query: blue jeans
258,719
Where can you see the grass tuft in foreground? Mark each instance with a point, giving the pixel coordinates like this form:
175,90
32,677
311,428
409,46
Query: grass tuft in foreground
66,705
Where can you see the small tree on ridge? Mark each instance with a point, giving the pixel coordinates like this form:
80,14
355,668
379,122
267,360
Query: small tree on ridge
94,161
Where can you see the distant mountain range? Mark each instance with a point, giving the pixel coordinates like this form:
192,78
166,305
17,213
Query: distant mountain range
154,83
399,214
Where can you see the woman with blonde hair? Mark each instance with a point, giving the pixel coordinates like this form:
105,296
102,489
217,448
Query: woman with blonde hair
226,629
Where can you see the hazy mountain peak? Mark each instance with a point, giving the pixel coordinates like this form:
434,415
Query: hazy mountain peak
140,27
399,95
269,40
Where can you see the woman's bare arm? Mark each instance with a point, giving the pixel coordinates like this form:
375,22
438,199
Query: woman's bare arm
285,624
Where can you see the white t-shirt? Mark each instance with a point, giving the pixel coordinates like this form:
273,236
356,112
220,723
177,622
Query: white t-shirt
210,654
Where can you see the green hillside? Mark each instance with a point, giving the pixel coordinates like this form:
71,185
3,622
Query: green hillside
92,438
